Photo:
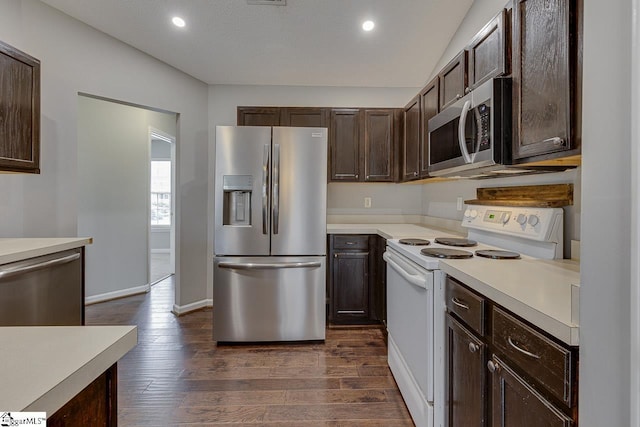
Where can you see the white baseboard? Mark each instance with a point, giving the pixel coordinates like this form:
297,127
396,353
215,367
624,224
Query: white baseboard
116,294
183,309
161,251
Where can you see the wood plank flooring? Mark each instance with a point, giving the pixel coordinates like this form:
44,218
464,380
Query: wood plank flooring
177,375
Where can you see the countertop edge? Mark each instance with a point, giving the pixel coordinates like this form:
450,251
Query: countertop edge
58,396
567,333
44,246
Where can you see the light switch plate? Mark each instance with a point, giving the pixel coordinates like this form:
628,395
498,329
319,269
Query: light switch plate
367,202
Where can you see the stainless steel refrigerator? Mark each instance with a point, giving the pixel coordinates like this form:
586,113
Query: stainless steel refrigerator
270,234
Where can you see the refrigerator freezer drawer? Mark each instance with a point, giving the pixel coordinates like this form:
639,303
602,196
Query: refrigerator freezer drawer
269,299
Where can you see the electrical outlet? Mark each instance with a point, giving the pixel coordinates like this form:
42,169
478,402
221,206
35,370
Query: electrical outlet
367,202
459,203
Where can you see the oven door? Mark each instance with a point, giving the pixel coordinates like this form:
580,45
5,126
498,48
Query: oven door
410,317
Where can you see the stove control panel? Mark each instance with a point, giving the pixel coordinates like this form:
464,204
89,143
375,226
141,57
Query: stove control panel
530,223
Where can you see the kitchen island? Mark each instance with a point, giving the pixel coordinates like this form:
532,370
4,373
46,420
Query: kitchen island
43,369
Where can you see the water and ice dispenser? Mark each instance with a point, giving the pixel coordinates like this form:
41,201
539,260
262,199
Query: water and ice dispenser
236,203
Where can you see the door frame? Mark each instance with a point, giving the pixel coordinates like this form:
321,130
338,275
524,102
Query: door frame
171,139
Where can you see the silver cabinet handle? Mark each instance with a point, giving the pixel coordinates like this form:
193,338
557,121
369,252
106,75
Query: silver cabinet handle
349,243
493,367
473,347
556,140
457,302
276,187
357,176
268,266
14,271
521,350
265,189
351,311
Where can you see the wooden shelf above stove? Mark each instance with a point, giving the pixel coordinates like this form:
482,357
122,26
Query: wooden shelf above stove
539,196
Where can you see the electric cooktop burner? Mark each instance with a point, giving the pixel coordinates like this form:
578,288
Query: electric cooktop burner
453,241
496,254
414,242
446,253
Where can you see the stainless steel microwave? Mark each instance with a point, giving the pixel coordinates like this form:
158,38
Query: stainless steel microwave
473,135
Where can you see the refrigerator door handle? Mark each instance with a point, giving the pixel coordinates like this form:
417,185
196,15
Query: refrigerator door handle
265,189
268,265
276,187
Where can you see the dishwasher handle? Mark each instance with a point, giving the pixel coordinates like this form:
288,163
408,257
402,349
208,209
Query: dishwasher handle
414,279
7,272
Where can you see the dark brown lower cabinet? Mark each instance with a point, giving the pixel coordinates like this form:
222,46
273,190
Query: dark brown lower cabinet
501,371
350,286
516,403
356,279
96,405
466,376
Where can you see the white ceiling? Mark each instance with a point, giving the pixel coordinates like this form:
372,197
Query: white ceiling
306,42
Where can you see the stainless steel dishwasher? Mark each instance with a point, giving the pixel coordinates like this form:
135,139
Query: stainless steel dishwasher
43,291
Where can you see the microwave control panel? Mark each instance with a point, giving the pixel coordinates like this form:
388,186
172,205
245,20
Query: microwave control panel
483,124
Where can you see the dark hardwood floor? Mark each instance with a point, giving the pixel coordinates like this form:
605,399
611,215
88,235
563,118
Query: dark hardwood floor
177,375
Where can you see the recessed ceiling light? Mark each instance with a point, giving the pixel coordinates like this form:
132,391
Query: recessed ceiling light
178,22
368,25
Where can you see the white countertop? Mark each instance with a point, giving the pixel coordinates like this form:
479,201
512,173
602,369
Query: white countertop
42,368
18,249
388,231
544,292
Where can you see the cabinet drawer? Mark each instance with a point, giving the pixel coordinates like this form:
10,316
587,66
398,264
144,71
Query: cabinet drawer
347,241
546,362
466,305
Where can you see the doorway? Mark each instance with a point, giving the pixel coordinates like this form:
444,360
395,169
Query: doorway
162,206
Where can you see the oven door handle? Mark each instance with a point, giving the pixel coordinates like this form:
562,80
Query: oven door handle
415,279
462,125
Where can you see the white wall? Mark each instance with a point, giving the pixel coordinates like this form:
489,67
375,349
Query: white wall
76,58
113,191
606,223
386,199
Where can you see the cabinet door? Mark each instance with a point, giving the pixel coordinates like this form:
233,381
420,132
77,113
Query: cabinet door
429,108
350,294
487,52
466,377
19,111
542,77
344,145
411,141
258,116
453,80
515,403
304,117
379,131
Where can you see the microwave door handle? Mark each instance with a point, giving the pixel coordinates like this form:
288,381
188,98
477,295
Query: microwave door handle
461,132
477,119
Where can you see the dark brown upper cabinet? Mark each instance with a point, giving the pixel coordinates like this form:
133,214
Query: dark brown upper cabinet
411,141
488,51
19,111
304,117
344,145
546,101
379,144
429,108
258,116
453,80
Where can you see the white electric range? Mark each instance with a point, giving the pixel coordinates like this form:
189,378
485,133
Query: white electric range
415,291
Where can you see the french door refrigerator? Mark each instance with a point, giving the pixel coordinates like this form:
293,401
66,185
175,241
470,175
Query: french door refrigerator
270,234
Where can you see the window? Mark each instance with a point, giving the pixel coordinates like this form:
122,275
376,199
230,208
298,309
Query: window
161,192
